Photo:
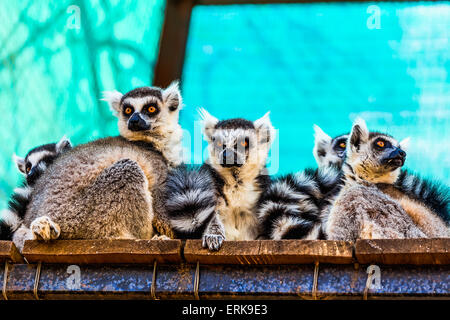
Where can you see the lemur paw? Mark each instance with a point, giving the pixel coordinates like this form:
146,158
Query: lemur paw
43,228
161,237
212,241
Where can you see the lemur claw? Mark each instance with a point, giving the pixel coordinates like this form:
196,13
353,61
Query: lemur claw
212,241
43,228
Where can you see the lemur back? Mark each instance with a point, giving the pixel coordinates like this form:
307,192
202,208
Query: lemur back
93,183
108,188
32,167
218,201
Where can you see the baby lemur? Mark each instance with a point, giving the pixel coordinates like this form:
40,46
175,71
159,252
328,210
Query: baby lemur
108,188
369,205
32,166
217,202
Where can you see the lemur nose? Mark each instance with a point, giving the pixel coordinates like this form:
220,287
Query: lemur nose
402,153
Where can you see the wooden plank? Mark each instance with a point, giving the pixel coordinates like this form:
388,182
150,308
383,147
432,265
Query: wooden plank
9,252
403,251
271,252
103,251
172,46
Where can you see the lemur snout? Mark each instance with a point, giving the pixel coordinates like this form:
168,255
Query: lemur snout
230,159
396,158
136,123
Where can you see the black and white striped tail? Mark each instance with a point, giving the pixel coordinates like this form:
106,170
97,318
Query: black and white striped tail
434,195
191,200
12,218
290,208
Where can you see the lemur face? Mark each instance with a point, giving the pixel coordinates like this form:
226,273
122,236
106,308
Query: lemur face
373,156
146,112
329,151
38,159
237,143
232,142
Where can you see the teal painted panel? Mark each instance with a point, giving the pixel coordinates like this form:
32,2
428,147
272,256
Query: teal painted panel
326,64
55,59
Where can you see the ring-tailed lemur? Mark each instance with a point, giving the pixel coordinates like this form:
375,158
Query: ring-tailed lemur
329,151
432,194
108,188
368,205
217,202
32,166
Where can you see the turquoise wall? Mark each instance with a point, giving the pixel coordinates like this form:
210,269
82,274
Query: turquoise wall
326,64
54,64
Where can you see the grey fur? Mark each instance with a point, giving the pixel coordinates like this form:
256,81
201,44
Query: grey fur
109,188
32,167
370,205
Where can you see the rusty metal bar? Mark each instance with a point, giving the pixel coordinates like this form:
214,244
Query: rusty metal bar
153,287
316,280
36,280
5,281
230,281
197,281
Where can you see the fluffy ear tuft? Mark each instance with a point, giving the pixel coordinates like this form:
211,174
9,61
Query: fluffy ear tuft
63,145
209,122
20,163
172,97
264,129
359,133
113,98
320,136
321,142
404,144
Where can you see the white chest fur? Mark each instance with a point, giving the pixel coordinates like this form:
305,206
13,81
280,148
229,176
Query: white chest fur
238,211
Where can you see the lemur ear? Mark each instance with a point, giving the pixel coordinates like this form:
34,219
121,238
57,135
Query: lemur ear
320,136
172,97
63,145
209,122
359,133
264,129
404,144
20,163
113,98
321,141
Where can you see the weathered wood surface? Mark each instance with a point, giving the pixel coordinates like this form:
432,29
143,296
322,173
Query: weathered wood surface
403,251
271,252
9,252
103,251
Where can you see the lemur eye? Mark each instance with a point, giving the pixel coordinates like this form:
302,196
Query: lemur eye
28,168
244,143
342,145
380,143
151,109
128,110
